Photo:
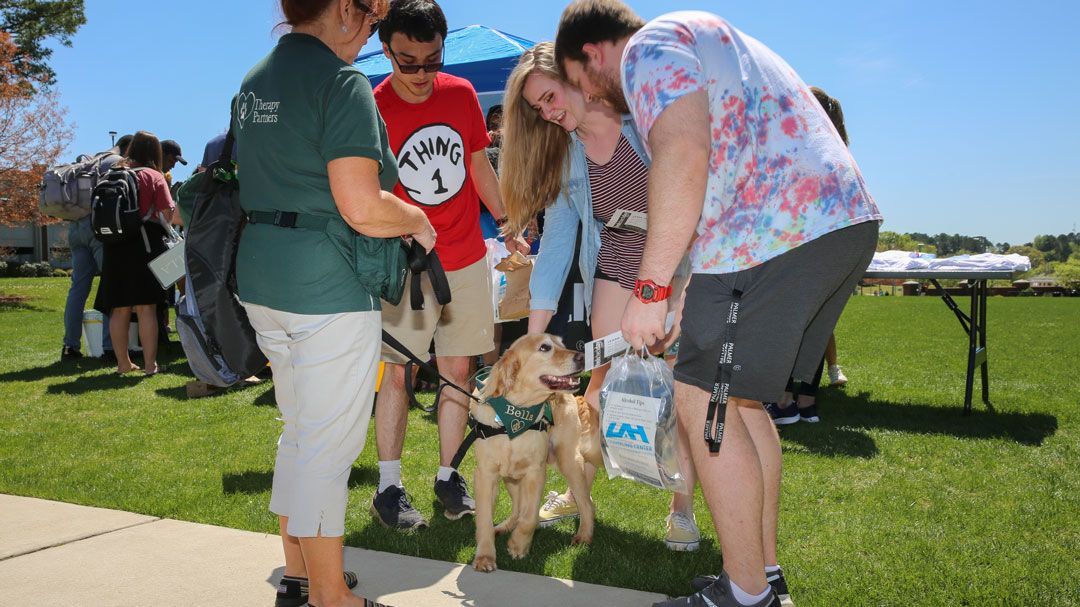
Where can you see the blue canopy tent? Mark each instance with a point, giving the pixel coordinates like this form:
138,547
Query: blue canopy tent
482,55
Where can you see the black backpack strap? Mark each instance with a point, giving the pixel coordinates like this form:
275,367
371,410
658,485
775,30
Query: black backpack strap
416,293
421,261
226,152
439,282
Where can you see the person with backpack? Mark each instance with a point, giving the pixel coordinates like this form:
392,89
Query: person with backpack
131,205
315,178
86,262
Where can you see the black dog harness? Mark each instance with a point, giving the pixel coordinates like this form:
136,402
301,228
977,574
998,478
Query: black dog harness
543,422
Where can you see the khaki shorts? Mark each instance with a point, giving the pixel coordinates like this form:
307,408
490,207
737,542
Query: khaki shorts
464,327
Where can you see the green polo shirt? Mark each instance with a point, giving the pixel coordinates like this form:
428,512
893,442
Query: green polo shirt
298,109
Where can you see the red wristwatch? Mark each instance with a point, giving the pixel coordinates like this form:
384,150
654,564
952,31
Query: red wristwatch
648,291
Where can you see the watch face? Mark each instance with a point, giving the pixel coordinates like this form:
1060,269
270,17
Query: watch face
647,292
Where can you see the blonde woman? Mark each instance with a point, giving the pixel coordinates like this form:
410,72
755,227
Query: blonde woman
581,162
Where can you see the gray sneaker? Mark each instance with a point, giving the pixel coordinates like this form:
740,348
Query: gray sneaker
776,580
393,509
454,497
718,595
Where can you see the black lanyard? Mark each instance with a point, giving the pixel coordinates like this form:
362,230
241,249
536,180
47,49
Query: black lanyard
717,411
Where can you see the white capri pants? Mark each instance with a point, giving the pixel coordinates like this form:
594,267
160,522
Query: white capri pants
325,368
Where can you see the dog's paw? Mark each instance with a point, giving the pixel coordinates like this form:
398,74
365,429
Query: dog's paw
581,538
503,528
484,563
518,547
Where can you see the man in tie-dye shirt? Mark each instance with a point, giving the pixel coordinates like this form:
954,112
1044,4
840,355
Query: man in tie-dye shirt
749,172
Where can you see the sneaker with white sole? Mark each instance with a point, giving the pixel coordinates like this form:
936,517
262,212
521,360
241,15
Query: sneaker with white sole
809,414
836,376
718,594
775,579
556,508
454,496
393,508
782,416
682,534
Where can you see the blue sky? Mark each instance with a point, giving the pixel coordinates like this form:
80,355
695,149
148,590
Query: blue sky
963,115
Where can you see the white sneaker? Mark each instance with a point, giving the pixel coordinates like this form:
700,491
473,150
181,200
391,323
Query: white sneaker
836,376
682,534
556,508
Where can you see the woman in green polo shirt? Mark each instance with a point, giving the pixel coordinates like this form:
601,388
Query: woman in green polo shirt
313,151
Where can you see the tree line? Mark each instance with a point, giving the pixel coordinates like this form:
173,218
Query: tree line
33,126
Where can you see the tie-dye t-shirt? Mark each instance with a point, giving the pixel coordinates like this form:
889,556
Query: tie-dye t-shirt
779,174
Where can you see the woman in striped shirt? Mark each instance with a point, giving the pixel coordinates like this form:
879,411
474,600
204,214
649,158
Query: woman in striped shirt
582,163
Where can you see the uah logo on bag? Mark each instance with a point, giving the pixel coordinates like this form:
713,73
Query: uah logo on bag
431,164
251,108
627,431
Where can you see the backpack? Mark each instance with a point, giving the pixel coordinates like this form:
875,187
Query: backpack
114,209
220,343
67,190
206,363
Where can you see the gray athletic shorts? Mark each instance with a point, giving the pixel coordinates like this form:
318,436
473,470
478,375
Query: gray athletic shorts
789,307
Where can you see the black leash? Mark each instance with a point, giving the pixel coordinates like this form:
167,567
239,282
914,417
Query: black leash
415,360
717,411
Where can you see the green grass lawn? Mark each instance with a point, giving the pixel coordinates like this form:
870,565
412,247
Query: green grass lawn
894,499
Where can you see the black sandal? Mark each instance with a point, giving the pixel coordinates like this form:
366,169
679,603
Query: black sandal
367,603
293,591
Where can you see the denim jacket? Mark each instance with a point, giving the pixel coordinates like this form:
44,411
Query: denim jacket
573,207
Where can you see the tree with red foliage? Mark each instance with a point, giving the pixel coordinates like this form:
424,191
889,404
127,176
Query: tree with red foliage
33,134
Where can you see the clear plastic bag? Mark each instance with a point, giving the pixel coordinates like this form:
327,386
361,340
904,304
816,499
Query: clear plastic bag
638,428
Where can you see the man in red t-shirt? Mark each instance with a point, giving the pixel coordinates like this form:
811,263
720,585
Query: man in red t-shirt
438,133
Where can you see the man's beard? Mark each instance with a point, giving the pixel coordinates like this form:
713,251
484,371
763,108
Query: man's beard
610,89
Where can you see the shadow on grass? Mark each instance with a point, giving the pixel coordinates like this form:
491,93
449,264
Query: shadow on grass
844,415
180,392
266,399
253,481
96,383
17,303
829,439
60,368
617,557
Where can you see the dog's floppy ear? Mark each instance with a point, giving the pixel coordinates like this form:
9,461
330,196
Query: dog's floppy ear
503,374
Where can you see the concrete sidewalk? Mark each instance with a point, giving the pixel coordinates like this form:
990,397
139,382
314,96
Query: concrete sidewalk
53,553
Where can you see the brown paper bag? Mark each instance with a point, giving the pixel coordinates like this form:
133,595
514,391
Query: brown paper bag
515,302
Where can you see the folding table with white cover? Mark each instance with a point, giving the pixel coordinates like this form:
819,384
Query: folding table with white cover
974,324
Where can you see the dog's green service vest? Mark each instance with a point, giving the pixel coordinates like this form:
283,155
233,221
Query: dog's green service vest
516,419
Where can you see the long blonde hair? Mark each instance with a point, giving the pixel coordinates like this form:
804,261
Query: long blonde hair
534,158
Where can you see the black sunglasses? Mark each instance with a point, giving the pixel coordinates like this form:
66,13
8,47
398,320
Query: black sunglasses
367,11
412,69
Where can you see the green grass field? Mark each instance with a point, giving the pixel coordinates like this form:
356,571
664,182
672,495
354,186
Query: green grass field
894,499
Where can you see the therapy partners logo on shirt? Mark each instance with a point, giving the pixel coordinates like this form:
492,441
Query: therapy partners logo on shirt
431,164
250,108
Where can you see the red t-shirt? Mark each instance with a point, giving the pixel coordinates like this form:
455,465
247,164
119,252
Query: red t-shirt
433,142
154,193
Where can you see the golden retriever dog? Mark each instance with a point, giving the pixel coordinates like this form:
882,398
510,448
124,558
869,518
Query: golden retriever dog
536,368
